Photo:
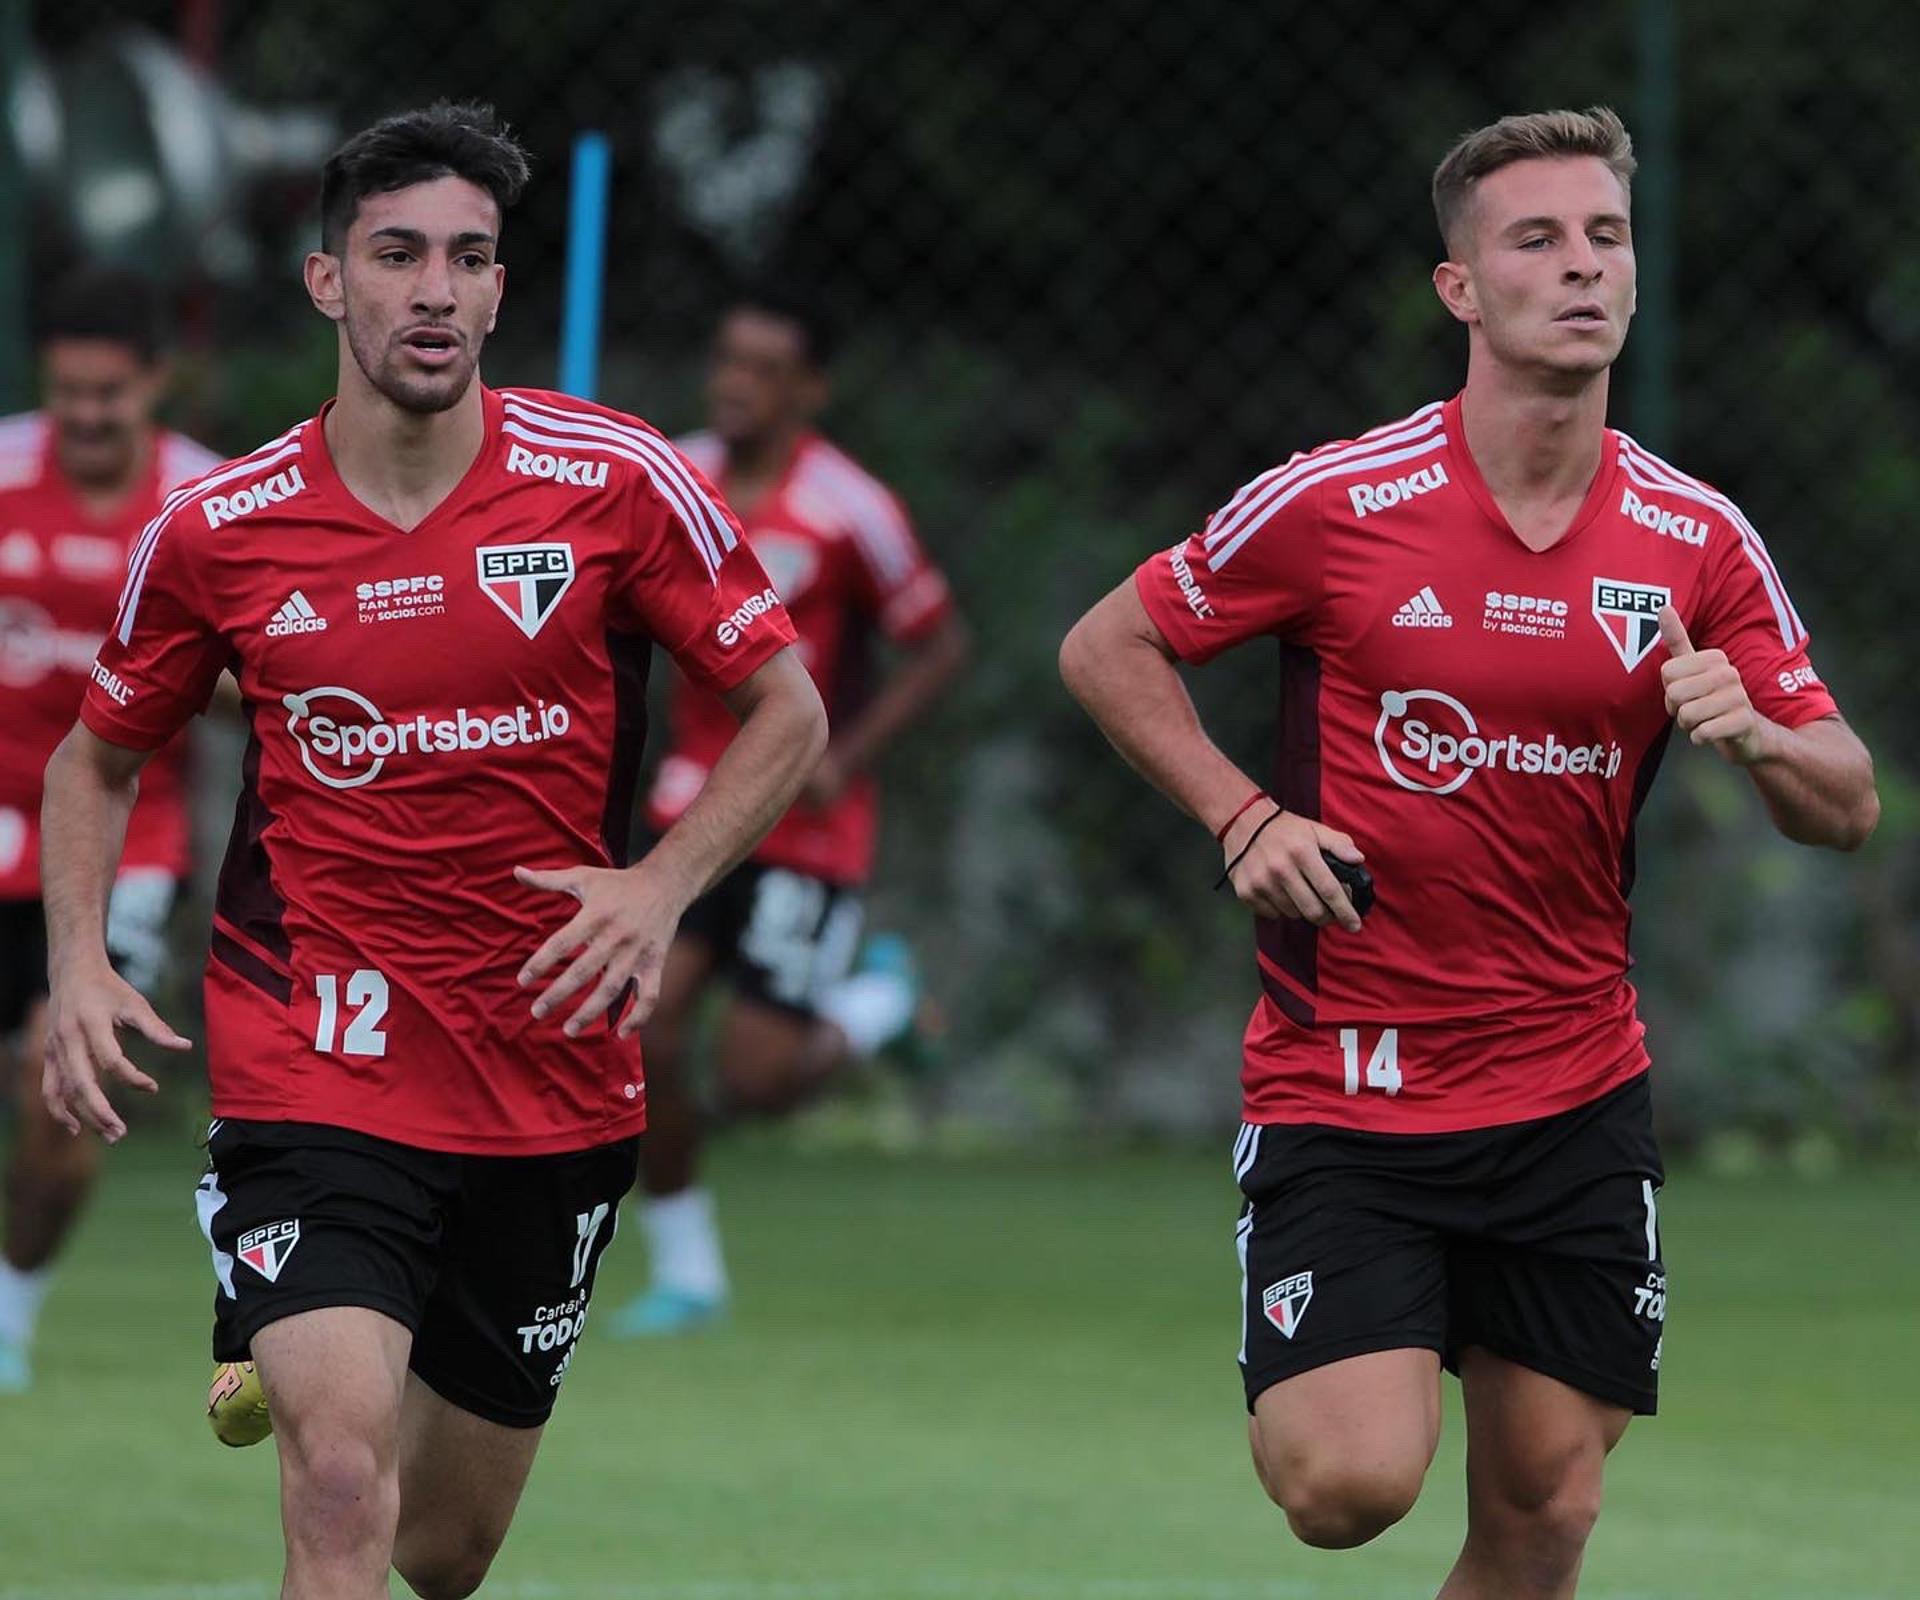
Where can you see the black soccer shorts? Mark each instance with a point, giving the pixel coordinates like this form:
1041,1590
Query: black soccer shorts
780,937
489,1260
1538,1241
139,912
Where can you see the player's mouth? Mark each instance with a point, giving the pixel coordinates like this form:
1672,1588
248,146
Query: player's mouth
431,346
1587,314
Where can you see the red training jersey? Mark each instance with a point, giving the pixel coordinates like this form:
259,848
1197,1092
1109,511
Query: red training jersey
429,708
843,557
1485,720
60,573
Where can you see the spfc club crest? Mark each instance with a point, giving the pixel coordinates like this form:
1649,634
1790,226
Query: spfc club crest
1286,1301
1629,615
525,580
266,1249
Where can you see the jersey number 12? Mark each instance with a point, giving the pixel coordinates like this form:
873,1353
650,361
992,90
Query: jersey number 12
366,989
1383,1065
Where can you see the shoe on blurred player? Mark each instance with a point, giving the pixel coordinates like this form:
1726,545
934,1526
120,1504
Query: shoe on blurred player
663,1312
875,1005
16,1372
237,1405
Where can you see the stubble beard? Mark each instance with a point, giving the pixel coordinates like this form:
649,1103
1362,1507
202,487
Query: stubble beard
424,395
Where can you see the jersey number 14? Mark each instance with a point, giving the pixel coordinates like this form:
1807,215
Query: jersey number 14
1383,1064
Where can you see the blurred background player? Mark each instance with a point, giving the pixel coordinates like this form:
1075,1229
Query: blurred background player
784,927
79,479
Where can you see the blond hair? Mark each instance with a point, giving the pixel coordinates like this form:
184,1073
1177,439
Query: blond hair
1597,131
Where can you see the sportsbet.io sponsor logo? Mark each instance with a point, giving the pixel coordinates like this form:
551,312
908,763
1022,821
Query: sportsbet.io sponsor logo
1430,743
345,741
1366,497
744,616
555,468
244,502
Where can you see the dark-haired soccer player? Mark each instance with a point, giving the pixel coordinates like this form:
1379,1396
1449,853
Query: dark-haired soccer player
1490,616
783,927
79,478
440,601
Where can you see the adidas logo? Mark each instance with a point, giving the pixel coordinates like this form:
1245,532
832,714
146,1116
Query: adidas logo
1423,611
296,615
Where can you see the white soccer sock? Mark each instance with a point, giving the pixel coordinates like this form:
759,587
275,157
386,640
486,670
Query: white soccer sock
870,1008
20,1297
683,1243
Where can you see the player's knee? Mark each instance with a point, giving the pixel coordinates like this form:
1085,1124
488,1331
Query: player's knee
1334,1506
337,1488
447,1574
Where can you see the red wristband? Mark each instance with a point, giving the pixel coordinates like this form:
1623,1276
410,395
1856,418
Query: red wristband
1246,805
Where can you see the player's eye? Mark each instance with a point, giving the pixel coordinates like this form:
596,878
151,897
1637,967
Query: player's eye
395,258
1535,242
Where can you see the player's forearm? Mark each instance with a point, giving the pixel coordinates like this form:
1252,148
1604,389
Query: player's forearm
87,794
927,672
1124,679
1817,782
783,729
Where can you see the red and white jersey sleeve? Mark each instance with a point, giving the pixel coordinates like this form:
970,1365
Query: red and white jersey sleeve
1255,568
1486,721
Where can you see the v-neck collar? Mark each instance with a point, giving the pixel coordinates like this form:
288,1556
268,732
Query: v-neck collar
776,489
317,459
1460,458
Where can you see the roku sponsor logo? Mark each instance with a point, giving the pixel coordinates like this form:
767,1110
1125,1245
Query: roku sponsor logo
345,740
1688,530
1366,497
1437,747
558,469
244,502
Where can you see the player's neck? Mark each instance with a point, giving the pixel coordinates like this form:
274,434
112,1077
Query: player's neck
401,464
1530,444
101,498
756,466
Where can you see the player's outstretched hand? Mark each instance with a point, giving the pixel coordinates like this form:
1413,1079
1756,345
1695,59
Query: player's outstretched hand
84,1054
619,935
1282,873
1705,696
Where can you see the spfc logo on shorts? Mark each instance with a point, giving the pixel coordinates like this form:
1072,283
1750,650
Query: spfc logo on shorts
525,580
1629,615
1286,1301
266,1249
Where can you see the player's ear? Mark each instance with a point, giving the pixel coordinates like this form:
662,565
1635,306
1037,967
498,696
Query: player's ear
1453,282
499,290
324,286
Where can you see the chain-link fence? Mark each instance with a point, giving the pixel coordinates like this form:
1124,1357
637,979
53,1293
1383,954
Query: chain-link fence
1098,264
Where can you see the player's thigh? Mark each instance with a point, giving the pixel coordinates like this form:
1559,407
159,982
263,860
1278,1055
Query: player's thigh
1567,1277
334,1378
1535,1445
1343,1306
760,1050
524,1241
460,1483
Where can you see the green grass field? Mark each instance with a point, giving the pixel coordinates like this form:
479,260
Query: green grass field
1000,1379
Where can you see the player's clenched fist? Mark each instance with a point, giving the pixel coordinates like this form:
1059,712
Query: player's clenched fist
1705,696
619,936
1279,871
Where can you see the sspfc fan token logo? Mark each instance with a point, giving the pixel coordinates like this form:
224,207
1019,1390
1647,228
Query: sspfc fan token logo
1629,615
525,580
1286,1301
266,1249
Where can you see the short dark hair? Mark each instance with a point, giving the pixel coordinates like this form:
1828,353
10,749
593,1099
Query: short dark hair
115,304
448,139
790,303
1597,132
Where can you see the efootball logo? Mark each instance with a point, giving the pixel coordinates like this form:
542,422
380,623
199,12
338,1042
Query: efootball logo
266,1249
1285,1302
525,580
1629,615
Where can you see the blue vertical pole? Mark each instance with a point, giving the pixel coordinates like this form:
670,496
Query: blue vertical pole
586,265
